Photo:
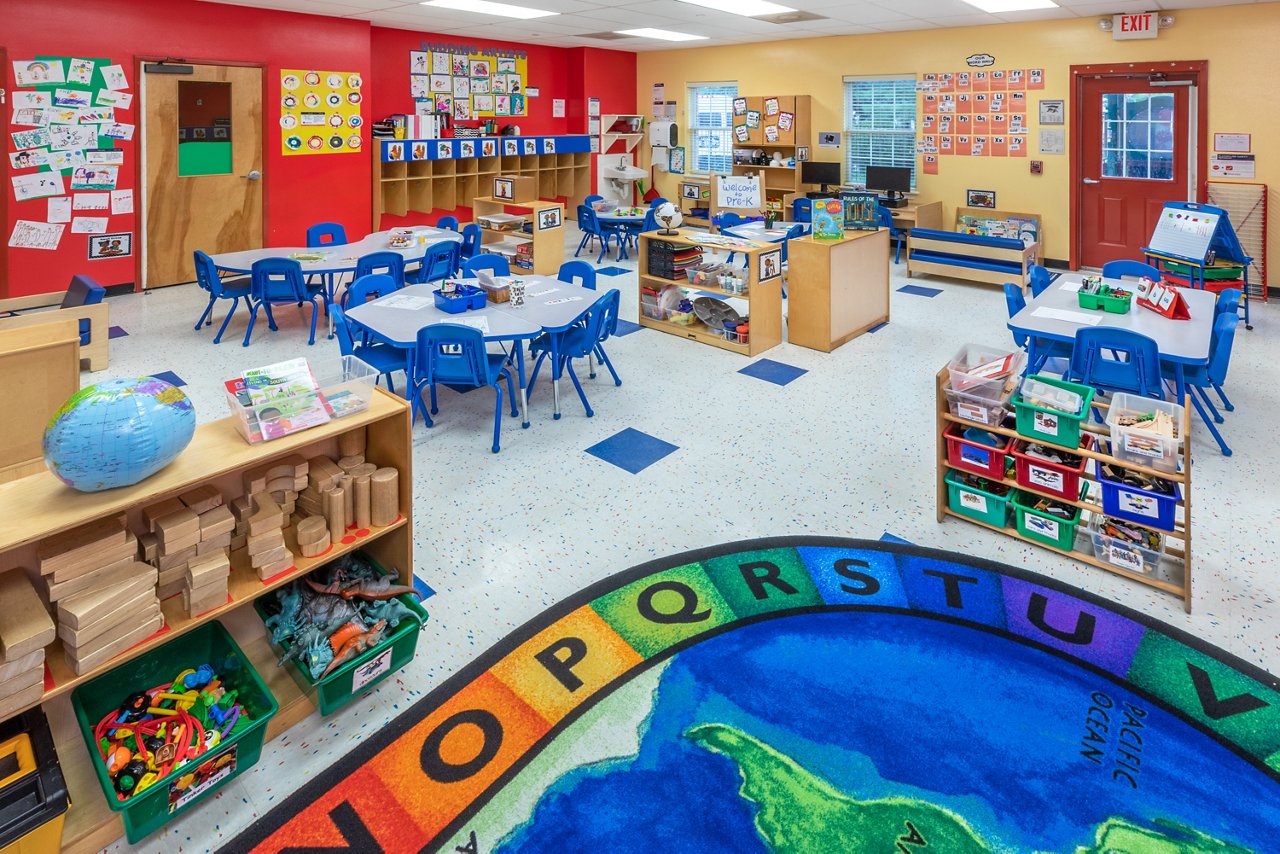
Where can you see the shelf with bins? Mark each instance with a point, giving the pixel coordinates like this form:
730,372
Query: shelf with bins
541,246
39,506
1172,570
422,176
763,298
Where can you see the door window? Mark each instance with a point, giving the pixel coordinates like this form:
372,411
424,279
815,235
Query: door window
204,128
1137,135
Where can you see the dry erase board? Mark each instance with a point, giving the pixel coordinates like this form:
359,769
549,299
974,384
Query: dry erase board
739,192
1184,233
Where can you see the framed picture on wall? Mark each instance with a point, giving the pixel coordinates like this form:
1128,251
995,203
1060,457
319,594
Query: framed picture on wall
770,265
980,198
802,153
689,191
110,245
675,162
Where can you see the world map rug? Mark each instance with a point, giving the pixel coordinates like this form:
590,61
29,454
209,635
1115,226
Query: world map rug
817,695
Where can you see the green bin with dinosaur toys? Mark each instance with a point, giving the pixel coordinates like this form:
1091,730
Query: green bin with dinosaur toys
338,686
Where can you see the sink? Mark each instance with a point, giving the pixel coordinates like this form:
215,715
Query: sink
623,173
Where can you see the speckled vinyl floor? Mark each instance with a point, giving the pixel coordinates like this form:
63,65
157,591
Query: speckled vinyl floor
845,448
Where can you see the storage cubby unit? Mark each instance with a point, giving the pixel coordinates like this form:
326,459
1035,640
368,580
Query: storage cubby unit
40,506
781,183
1006,504
538,250
702,203
561,167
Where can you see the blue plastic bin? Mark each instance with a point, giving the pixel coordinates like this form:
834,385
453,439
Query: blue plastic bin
468,297
1134,504
802,210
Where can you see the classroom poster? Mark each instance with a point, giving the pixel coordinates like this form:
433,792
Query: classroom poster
980,113
320,111
469,82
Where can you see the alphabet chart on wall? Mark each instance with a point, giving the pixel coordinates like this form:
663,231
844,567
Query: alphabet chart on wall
978,112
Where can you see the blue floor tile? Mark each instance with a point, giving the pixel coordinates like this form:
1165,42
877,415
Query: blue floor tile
626,327
423,588
886,537
631,450
777,373
171,378
919,291
612,271
116,332
878,327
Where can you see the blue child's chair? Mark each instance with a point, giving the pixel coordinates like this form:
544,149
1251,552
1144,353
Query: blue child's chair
495,264
278,281
455,354
218,288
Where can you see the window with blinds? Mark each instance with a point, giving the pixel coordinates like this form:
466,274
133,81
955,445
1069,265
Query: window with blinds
711,127
879,125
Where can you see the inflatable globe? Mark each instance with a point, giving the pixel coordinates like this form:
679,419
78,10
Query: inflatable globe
117,433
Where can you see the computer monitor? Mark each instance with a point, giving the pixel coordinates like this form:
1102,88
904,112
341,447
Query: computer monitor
819,172
894,180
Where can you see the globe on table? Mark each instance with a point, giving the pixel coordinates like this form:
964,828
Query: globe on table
117,433
669,215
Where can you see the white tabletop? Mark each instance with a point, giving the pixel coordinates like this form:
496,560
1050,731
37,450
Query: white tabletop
551,303
757,231
399,326
1184,341
338,258
614,216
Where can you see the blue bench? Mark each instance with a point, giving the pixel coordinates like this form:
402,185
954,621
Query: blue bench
995,260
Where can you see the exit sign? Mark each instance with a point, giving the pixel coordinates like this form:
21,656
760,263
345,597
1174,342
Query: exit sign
1144,25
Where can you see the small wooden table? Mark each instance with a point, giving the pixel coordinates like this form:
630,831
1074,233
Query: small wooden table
914,215
837,289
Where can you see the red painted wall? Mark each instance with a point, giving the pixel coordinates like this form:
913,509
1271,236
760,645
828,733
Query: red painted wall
605,74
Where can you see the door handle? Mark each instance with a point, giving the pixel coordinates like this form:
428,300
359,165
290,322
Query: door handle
1092,181
254,175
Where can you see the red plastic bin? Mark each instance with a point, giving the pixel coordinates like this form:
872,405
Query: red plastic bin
1048,477
975,457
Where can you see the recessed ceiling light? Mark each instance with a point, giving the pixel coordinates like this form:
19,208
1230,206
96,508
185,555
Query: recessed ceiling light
995,7
485,7
663,35
747,8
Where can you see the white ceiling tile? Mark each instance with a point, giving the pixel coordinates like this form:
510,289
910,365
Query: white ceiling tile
1106,10
1190,4
978,20
863,13
904,26
1036,15
929,9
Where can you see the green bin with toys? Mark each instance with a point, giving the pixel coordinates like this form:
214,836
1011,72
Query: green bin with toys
1047,520
978,498
356,676
1051,409
174,670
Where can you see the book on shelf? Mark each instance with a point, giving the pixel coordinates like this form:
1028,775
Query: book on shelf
276,400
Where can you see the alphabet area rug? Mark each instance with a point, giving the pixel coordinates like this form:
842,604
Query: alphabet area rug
817,695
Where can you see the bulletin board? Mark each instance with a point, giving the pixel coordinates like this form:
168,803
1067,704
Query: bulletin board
974,113
68,113
320,111
468,82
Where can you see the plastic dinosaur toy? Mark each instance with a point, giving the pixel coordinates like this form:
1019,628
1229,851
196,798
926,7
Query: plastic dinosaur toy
380,588
354,644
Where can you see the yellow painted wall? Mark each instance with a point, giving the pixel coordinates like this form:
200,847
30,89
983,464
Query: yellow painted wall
1240,43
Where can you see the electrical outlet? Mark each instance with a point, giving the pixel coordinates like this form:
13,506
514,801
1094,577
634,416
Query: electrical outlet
1037,167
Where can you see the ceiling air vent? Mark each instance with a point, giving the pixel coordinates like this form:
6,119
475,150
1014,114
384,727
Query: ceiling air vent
605,37
790,17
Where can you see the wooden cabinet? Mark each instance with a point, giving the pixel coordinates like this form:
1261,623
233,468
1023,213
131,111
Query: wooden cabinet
541,247
781,183
837,289
36,507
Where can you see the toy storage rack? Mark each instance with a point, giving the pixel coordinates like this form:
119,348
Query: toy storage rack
764,299
39,506
1174,573
545,244
1246,204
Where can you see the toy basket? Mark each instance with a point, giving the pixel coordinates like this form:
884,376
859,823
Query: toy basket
178,791
1120,552
1045,423
977,457
965,375
1132,503
1060,479
980,501
1134,444
1041,526
467,297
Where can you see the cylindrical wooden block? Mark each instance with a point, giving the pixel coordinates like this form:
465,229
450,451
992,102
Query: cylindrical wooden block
363,470
351,443
348,501
363,508
349,463
335,510
384,493
311,529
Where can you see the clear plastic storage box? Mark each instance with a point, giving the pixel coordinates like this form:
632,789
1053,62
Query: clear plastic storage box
1133,444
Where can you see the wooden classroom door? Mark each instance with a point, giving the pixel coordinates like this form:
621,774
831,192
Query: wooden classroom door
1135,154
204,167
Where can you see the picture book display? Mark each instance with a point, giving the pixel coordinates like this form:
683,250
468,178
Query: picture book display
283,398
468,82
320,112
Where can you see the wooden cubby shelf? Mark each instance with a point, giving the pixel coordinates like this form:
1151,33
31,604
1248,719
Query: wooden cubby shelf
1173,575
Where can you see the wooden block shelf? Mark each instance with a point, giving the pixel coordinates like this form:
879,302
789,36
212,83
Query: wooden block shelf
39,506
1173,575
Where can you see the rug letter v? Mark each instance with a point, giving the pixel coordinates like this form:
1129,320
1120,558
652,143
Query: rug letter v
1218,708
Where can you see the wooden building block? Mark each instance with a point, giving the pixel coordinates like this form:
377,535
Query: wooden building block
177,529
266,514
216,521
196,604
87,642
310,530
322,473
290,467
179,558
25,625
352,442
160,509
348,463
269,539
363,470
363,508
34,661
309,502
218,544
116,621
112,573
315,548
335,503
384,493
202,499
20,683
242,508
348,501
239,541
206,571
81,609
268,557
149,546
173,588
83,665
72,547
20,700
168,576
272,570
105,556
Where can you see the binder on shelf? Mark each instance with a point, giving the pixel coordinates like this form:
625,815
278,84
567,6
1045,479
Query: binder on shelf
1164,300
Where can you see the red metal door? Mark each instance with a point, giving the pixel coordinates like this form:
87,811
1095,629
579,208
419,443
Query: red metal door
1134,157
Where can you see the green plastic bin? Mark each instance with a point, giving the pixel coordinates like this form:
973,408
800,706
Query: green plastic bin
1105,302
174,794
1041,527
1050,425
975,503
366,670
